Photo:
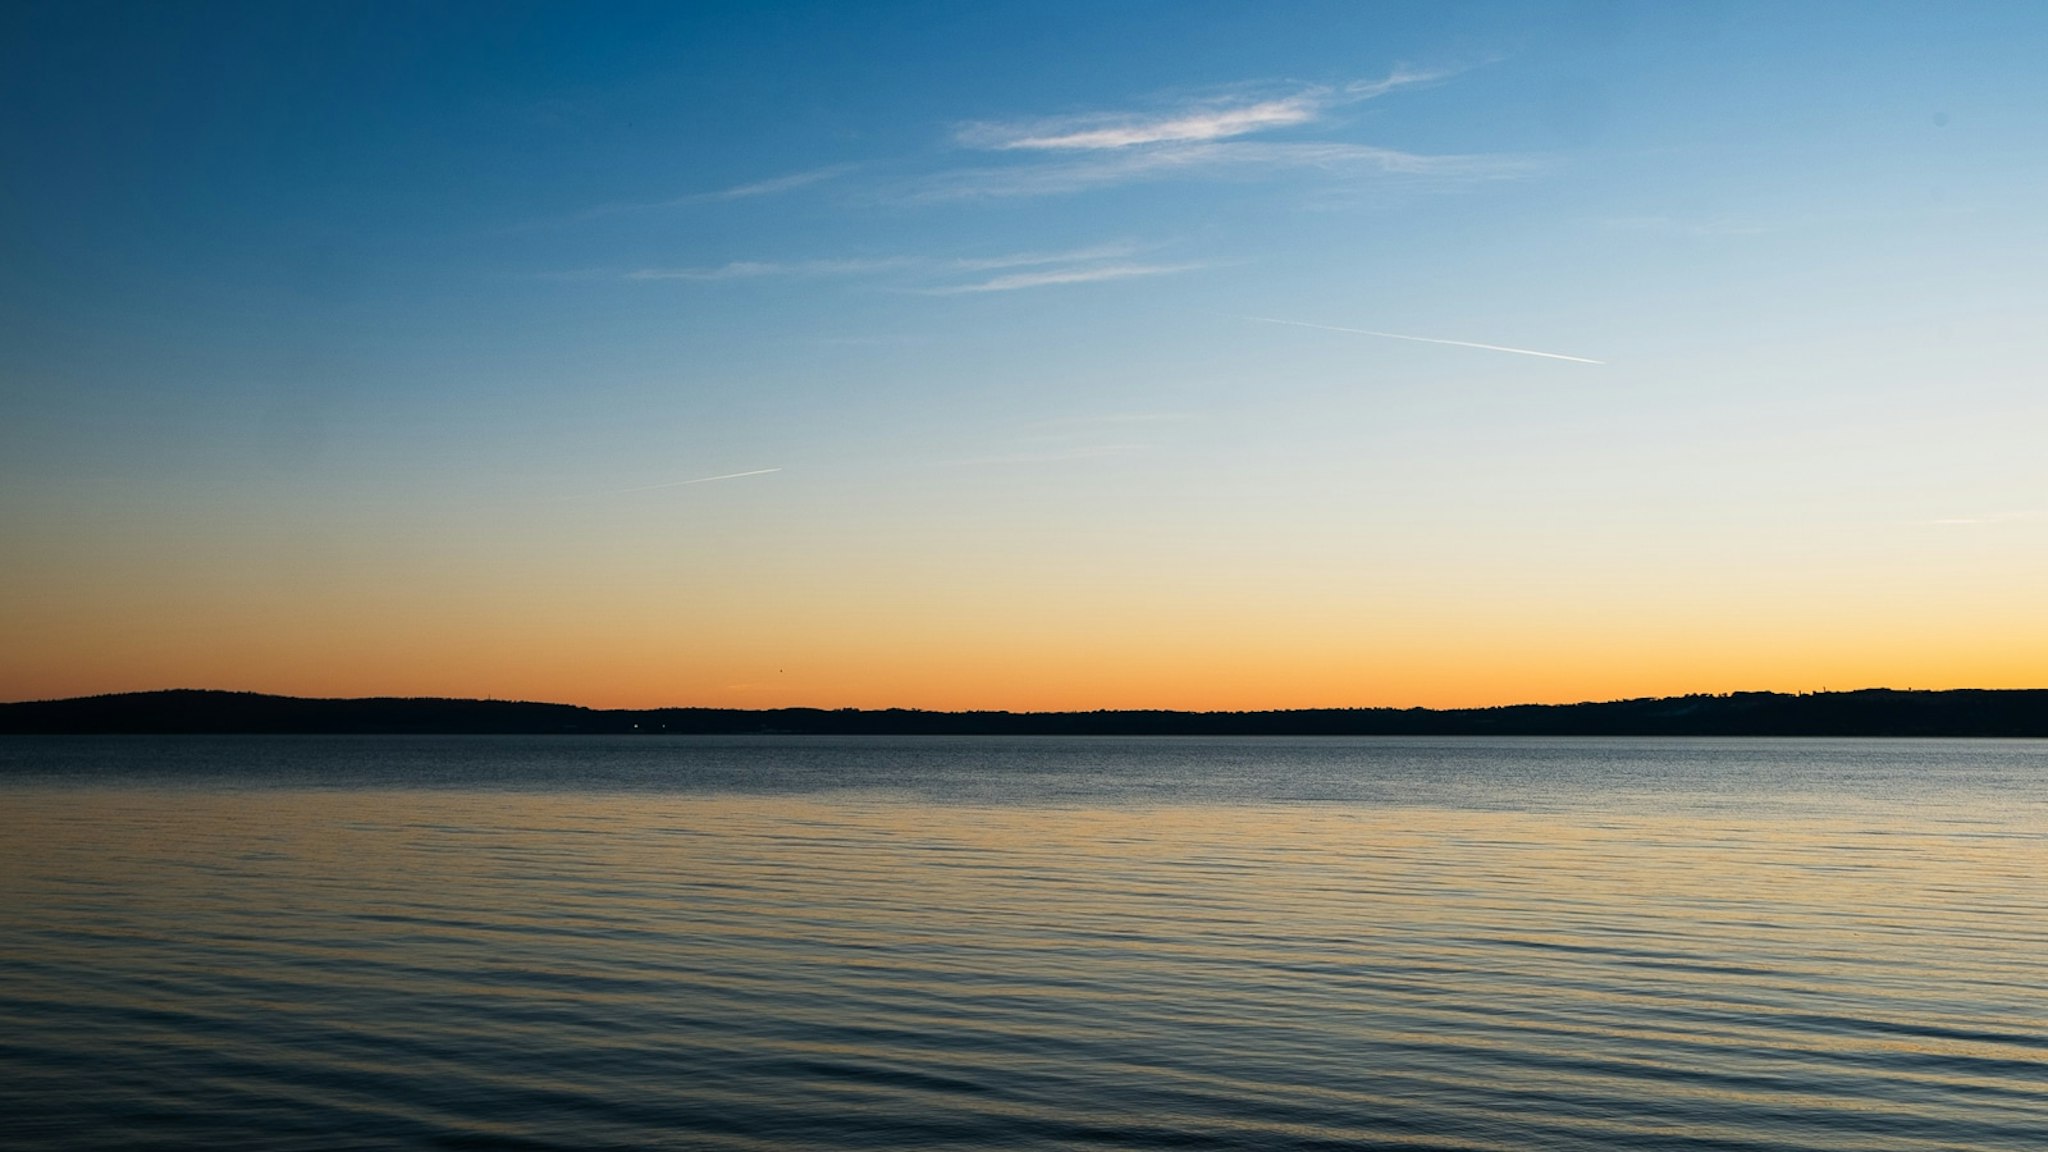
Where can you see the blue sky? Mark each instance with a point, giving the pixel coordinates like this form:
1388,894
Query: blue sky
330,325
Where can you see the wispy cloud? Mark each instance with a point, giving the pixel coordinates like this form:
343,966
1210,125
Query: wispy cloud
1123,131
1400,77
1206,137
1986,518
1049,276
1240,159
1424,339
776,184
1205,118
941,276
1035,259
697,480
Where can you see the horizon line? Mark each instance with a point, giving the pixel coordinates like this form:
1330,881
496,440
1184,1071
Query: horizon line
1793,694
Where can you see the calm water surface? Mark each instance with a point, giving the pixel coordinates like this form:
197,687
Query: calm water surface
994,943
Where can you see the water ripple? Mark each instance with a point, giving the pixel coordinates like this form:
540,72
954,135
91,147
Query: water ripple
1013,944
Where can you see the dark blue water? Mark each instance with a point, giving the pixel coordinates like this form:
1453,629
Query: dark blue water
1015,943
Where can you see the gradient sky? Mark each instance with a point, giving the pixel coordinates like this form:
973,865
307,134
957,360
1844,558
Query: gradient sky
352,349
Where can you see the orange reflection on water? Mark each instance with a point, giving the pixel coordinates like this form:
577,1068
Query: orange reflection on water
1641,953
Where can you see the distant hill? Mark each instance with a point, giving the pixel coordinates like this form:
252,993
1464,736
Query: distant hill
1870,712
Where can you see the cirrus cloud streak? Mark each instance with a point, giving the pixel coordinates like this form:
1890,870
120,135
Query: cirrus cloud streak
1210,118
1079,275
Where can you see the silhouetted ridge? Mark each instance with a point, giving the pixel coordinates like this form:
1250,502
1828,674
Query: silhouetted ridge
1870,712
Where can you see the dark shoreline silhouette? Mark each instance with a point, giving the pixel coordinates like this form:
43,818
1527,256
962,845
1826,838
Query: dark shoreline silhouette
1868,712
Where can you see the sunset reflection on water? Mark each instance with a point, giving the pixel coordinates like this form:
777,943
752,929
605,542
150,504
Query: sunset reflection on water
1833,965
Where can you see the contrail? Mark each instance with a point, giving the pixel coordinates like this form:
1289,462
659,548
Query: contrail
698,480
1425,339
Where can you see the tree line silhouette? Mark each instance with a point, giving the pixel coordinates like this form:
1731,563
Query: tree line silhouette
1867,712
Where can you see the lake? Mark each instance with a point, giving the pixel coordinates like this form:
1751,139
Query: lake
994,943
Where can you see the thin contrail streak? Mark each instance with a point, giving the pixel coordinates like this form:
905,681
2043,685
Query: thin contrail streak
698,480
1425,339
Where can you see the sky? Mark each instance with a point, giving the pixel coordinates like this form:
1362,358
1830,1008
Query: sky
1022,356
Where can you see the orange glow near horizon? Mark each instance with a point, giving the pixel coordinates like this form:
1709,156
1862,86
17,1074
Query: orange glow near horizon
819,601
1019,648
